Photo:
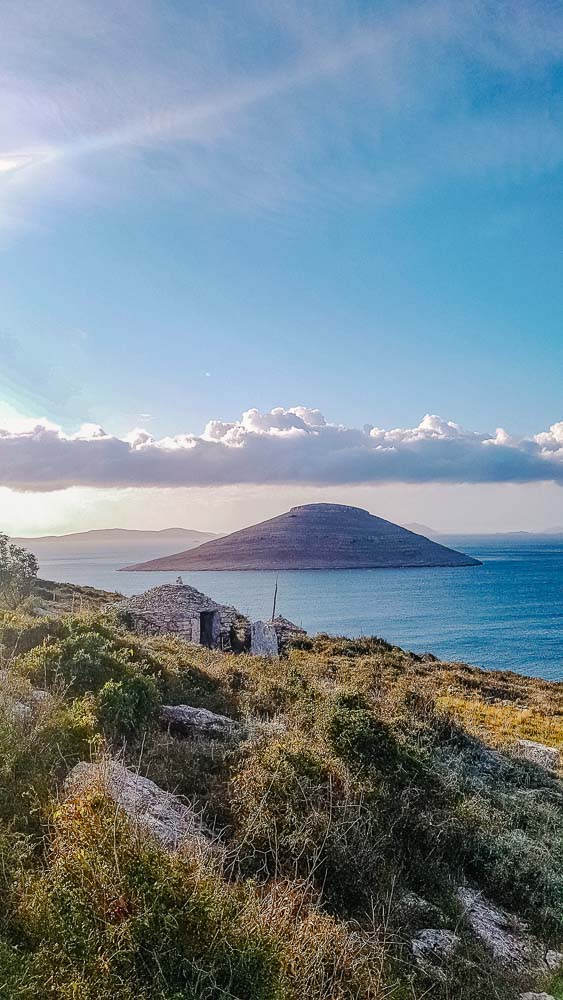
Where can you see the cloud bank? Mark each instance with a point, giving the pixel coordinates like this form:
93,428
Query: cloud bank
284,446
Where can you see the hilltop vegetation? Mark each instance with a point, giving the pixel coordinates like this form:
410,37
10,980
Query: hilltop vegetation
364,786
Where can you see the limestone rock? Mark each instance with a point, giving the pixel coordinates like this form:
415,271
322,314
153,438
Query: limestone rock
554,960
16,710
39,696
188,721
536,996
433,945
15,688
506,937
539,753
156,812
263,639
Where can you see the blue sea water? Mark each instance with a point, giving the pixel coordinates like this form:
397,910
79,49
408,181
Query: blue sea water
506,614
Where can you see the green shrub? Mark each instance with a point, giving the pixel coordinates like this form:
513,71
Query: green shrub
35,754
19,633
357,736
192,768
79,663
112,917
18,571
298,813
125,708
521,871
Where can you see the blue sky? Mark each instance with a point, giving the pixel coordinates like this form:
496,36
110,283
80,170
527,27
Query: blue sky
353,207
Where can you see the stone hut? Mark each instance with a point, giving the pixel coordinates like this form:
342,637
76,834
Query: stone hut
286,632
184,611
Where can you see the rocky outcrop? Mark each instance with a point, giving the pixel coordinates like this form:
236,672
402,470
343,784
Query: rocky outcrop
505,936
539,753
16,711
315,536
153,811
434,946
187,721
536,996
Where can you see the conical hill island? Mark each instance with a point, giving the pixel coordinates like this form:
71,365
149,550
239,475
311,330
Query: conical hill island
315,536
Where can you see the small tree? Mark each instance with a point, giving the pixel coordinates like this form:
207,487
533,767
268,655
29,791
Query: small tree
18,572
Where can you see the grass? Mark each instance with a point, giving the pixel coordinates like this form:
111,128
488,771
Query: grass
367,784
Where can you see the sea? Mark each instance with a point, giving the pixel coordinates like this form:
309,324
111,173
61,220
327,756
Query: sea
506,614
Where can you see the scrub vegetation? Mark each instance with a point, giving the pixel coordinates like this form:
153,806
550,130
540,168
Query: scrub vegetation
366,784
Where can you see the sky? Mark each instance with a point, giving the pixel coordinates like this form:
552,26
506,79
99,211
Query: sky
267,253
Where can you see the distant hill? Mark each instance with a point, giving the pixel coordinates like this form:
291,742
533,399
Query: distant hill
421,529
315,536
118,543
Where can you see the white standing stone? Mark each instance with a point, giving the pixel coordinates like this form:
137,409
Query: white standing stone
263,639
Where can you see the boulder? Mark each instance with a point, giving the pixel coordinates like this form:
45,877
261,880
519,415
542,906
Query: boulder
539,753
15,710
554,960
433,945
155,812
263,639
536,996
188,721
505,935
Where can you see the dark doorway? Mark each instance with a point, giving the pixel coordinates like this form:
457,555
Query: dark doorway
209,627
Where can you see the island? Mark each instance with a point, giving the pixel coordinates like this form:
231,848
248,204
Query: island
314,536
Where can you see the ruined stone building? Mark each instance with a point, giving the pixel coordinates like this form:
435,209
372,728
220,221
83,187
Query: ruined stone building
178,609
184,611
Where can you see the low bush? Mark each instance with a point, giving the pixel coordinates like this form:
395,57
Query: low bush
20,633
36,753
297,813
128,707
112,917
357,736
81,662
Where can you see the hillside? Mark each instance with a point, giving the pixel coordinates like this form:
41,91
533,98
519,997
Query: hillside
118,543
52,598
315,536
353,822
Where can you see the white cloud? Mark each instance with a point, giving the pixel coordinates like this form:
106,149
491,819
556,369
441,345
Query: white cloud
285,446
